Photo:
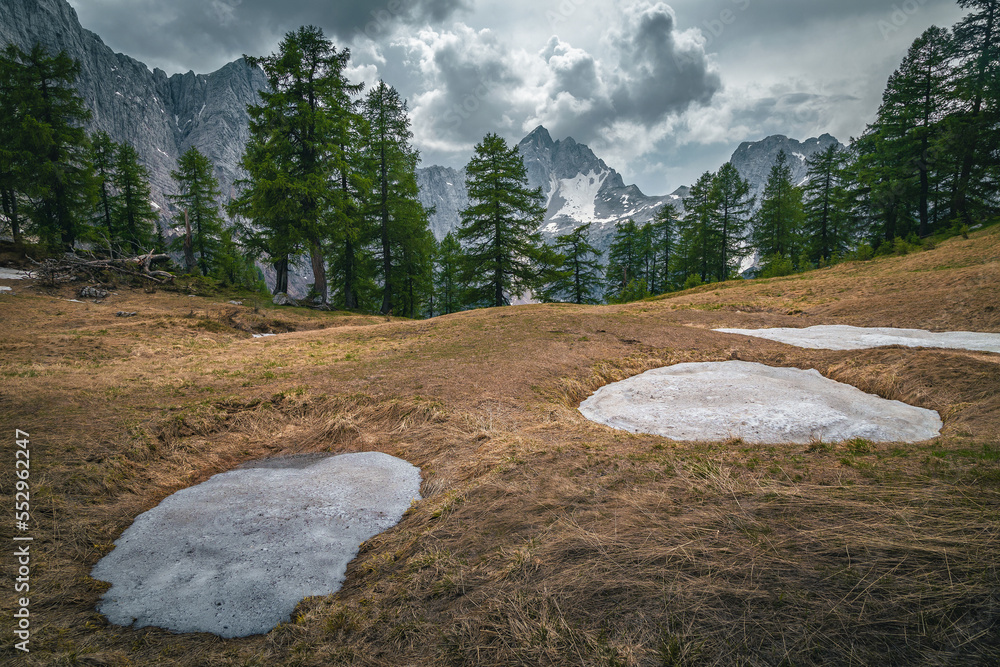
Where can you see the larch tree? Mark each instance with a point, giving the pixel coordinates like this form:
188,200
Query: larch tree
447,275
403,234
198,204
50,144
730,211
779,220
578,279
504,253
307,122
135,219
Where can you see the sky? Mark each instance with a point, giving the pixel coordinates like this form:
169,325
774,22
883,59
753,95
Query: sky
662,91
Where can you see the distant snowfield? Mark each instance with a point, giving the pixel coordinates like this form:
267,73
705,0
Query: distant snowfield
579,194
235,554
760,404
842,337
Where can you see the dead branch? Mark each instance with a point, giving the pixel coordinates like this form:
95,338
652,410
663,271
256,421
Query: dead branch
72,267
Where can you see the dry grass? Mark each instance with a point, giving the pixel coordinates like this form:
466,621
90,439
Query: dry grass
542,538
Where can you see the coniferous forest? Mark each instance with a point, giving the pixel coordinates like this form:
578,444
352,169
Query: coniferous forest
329,183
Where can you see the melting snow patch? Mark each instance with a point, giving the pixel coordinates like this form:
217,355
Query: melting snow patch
234,555
13,274
257,335
841,337
760,404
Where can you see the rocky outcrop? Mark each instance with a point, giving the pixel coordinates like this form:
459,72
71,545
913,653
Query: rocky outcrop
754,159
160,115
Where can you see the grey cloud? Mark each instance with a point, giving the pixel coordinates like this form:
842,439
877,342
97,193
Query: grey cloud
661,76
203,35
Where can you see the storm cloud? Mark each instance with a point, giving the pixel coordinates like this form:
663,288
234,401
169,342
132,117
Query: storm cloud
195,34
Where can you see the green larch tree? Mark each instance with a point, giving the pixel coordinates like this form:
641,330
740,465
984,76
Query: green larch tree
504,253
579,278
778,222
198,198
731,208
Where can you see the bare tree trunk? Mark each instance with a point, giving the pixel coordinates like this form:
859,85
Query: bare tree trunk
189,261
319,271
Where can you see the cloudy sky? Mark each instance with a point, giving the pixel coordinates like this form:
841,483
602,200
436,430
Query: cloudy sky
661,91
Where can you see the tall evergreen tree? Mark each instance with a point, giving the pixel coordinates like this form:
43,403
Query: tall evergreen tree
447,275
578,279
977,45
826,222
198,198
664,232
401,219
504,251
306,125
731,207
779,220
50,143
697,232
263,212
15,158
102,158
625,261
132,210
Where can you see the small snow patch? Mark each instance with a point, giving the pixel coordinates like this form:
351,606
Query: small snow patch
13,274
842,337
234,555
758,403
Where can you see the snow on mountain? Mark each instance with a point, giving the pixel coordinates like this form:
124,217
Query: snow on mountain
577,186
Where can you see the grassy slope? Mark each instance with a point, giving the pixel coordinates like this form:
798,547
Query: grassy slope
542,538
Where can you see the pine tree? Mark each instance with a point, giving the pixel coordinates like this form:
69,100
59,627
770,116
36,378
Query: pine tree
624,260
198,197
779,220
102,158
264,211
132,210
447,275
49,142
977,45
15,158
664,232
731,207
697,232
307,126
401,219
578,280
827,222
504,254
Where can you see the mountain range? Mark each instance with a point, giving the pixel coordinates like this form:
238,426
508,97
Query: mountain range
162,116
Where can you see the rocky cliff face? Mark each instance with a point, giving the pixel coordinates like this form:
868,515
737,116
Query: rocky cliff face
754,160
160,116
578,188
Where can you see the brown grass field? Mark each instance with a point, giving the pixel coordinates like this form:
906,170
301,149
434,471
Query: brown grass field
542,538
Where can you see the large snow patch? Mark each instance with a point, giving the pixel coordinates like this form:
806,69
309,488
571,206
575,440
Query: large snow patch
235,554
841,337
760,404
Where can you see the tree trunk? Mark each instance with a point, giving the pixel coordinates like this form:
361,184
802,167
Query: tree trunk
281,282
386,250
189,261
319,271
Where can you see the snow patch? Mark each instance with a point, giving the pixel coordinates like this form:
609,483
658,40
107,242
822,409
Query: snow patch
579,194
757,403
234,555
13,274
842,337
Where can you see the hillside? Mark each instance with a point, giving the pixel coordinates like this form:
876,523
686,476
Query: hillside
541,538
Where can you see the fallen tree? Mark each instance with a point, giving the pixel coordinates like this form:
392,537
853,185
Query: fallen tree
71,267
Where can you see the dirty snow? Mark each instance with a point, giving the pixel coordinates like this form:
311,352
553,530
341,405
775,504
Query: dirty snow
842,337
13,274
235,554
760,404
